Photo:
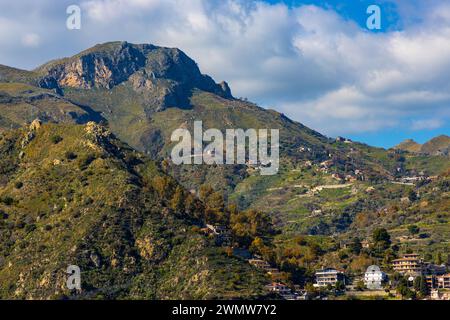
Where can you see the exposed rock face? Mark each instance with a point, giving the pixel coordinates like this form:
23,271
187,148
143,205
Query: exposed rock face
102,69
35,125
31,134
165,77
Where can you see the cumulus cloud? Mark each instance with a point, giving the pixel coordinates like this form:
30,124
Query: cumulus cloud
306,61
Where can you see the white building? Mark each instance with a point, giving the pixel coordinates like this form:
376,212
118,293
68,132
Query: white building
328,276
279,288
374,278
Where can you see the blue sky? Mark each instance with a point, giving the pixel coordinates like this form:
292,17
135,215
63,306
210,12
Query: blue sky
353,9
315,61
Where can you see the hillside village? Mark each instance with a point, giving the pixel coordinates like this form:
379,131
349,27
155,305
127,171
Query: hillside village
407,277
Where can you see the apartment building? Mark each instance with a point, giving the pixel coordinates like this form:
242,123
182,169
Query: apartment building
409,264
328,276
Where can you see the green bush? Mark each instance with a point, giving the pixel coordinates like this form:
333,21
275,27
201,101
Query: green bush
7,200
70,155
3,215
85,160
30,228
56,139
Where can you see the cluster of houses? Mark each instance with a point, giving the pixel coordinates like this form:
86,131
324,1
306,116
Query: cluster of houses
412,180
325,167
410,265
277,286
374,278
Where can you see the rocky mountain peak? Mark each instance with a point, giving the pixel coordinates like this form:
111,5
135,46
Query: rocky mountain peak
164,76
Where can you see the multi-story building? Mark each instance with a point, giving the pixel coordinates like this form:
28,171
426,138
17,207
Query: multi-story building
374,278
409,264
439,282
443,282
328,276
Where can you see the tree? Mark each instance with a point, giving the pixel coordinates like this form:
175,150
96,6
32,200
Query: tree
177,202
355,246
257,245
215,205
420,285
381,238
389,255
56,139
310,289
412,196
403,290
340,286
439,259
413,229
163,186
204,191
247,225
360,286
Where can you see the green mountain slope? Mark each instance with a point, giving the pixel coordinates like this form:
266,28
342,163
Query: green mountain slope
75,195
21,103
326,188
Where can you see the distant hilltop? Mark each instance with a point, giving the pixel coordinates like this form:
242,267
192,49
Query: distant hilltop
437,146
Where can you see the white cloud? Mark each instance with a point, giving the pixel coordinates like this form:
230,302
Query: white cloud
309,62
427,124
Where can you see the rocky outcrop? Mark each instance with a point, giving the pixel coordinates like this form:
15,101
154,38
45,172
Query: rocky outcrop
164,77
31,133
95,68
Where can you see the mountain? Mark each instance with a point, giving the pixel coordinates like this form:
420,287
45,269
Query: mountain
75,195
409,145
437,146
143,93
327,190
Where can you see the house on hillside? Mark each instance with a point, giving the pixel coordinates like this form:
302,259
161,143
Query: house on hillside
365,244
374,278
328,276
410,264
439,282
260,264
278,287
